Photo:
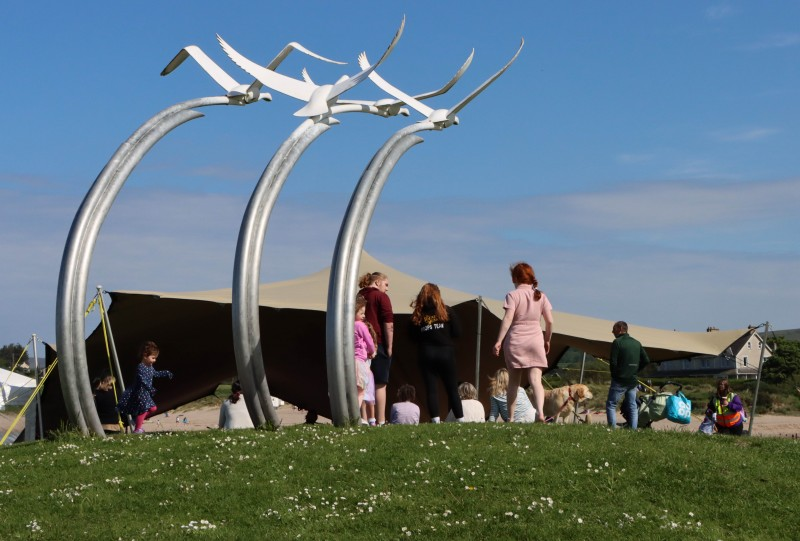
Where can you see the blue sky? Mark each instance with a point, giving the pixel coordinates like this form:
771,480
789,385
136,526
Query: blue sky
643,156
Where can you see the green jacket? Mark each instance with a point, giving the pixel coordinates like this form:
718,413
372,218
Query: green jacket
628,357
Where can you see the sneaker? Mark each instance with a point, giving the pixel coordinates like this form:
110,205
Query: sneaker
372,423
139,431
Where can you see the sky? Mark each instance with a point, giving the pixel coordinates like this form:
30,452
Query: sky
642,156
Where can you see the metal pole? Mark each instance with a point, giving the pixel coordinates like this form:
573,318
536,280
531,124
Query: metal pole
758,379
38,402
111,345
583,365
479,300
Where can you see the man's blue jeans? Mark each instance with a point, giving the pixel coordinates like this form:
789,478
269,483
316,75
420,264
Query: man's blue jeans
615,391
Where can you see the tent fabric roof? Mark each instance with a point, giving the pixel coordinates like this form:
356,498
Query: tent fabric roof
194,333
592,335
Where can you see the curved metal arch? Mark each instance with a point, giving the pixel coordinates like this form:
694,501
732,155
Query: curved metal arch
247,265
249,249
344,272
79,248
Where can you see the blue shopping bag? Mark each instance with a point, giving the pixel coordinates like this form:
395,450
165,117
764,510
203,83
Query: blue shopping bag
679,409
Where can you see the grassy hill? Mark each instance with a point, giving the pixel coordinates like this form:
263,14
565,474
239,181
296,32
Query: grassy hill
451,481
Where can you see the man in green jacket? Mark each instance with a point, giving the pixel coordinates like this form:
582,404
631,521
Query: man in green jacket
628,357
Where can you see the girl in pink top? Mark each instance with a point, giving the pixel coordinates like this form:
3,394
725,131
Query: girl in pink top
524,345
364,350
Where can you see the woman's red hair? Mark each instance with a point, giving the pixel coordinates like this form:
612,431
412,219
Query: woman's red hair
522,273
429,298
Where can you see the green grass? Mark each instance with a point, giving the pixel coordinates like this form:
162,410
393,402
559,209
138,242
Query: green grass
451,481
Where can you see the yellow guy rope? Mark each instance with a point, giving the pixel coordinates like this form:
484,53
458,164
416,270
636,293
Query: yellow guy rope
108,355
41,382
18,360
30,399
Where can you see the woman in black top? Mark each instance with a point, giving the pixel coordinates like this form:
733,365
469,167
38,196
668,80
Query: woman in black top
434,325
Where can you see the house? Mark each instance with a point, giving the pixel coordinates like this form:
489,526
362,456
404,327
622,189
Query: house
740,360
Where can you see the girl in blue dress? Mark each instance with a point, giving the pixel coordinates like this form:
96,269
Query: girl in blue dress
137,400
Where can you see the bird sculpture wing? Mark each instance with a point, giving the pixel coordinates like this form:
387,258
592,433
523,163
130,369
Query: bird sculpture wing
256,85
396,92
294,88
392,90
450,83
346,84
212,68
463,103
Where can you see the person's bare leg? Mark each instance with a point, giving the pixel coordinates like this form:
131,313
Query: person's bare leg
514,375
380,402
535,377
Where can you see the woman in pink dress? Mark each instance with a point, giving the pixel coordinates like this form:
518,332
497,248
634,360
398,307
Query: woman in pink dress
524,344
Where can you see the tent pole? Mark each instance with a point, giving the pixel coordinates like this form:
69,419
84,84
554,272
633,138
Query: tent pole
112,346
758,378
583,365
479,301
38,406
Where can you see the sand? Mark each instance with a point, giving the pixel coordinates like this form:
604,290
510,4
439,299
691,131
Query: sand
183,419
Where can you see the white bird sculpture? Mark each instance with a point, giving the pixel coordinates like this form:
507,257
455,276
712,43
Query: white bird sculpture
443,118
393,106
318,98
243,93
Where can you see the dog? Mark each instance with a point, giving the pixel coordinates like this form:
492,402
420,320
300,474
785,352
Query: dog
563,402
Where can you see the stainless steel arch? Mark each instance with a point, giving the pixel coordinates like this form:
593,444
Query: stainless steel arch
344,272
247,265
78,250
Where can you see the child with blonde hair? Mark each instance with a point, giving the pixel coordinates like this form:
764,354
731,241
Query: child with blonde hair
472,407
498,386
364,350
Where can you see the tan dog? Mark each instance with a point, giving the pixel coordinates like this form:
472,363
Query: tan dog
562,402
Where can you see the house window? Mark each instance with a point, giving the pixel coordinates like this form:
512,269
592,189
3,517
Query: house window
759,345
744,360
749,345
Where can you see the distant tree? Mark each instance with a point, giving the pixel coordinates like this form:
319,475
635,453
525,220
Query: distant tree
10,353
784,365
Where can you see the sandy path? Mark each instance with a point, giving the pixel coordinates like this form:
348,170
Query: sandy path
205,418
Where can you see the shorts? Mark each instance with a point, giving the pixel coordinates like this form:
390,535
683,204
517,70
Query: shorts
381,364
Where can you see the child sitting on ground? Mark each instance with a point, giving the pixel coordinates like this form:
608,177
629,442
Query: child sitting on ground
405,412
473,409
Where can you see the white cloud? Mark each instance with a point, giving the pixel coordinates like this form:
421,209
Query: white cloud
750,134
775,41
634,158
720,11
667,254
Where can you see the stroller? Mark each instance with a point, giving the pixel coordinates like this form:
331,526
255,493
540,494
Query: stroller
653,407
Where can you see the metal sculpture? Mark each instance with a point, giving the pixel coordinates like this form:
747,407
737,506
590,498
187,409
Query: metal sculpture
321,102
249,248
349,244
78,250
246,329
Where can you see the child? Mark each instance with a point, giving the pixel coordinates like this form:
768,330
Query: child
137,400
364,350
498,385
405,412
106,403
368,406
233,412
473,409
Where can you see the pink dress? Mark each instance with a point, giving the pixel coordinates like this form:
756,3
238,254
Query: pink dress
523,345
